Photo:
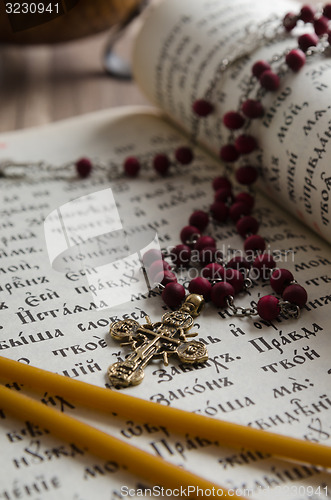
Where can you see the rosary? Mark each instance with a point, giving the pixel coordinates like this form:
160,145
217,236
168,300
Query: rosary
219,281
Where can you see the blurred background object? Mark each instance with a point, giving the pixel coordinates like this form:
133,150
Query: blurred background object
83,18
41,83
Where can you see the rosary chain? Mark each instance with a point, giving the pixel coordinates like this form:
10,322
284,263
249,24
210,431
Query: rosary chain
240,311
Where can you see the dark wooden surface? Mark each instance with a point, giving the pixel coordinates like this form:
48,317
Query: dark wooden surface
42,84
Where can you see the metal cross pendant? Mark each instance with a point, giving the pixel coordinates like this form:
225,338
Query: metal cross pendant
157,340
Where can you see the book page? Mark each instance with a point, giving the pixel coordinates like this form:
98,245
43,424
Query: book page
191,39
57,307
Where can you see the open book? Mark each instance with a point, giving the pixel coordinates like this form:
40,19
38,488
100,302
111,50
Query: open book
269,375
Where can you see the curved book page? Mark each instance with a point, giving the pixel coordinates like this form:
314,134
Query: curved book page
190,40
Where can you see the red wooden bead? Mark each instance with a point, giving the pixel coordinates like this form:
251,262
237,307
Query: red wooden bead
238,262
307,14
158,266
184,155
270,81
233,120
260,67
254,243
327,10
238,209
252,108
131,166
189,232
290,21
219,211
295,294
246,198
199,219
181,255
220,292
200,286
165,278
268,307
224,194
202,108
203,242
221,182
173,295
280,279
262,265
245,144
307,40
151,256
83,167
246,175
295,59
161,164
247,225
213,271
208,255
229,153
235,278
321,26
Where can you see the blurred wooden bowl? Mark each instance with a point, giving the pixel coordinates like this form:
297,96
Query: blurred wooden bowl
86,18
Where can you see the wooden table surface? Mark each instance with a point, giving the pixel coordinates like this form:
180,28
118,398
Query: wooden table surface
47,83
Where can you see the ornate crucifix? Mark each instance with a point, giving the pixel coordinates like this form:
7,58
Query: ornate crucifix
157,340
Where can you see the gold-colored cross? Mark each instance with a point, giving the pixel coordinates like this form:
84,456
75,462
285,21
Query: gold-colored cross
157,340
